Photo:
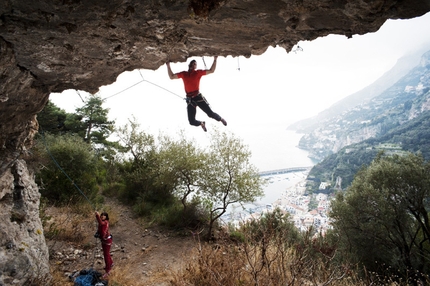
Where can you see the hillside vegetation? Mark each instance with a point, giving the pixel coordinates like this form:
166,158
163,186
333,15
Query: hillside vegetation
168,189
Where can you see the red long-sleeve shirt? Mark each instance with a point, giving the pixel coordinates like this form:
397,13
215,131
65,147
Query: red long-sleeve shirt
103,228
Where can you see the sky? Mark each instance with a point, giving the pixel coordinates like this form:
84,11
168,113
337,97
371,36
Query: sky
262,95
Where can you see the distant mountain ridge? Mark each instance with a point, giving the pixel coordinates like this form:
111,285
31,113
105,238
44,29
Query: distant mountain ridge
396,121
372,118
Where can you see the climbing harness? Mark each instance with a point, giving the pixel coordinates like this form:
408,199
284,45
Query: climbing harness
193,101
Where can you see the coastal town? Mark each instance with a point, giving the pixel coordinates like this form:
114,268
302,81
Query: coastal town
287,192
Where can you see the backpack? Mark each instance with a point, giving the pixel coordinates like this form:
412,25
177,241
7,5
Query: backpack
89,277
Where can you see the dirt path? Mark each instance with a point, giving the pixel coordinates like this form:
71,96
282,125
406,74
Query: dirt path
142,255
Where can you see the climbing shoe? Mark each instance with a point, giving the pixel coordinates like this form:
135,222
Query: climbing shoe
203,125
223,121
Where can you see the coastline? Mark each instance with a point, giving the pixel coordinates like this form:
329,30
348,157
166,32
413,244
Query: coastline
280,190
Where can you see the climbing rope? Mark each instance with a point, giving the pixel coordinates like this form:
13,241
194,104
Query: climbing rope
80,96
74,184
203,58
160,87
122,90
154,84
143,80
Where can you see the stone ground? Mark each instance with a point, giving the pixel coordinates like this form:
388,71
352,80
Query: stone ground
143,255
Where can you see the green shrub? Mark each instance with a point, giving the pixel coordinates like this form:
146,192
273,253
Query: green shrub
68,169
237,236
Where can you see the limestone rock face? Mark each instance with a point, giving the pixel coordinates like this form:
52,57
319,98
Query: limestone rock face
23,251
51,45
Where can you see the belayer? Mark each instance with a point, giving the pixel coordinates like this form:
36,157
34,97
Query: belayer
106,238
191,79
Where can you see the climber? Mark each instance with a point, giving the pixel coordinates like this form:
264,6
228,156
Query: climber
191,79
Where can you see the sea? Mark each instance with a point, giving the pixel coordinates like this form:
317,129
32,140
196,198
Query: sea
279,151
282,153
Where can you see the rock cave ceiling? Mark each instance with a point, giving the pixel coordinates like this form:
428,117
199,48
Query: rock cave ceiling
53,45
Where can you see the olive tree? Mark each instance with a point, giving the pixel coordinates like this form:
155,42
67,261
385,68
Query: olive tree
140,168
227,176
382,218
182,165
